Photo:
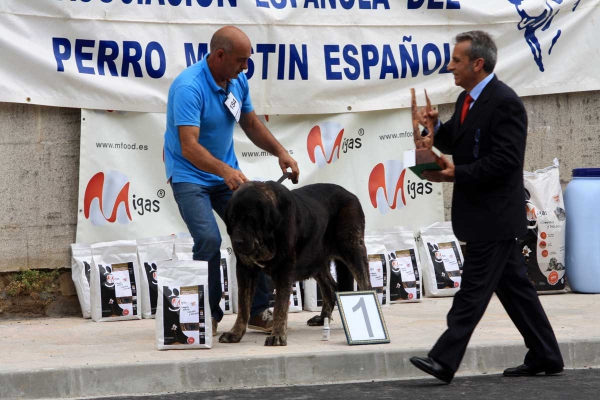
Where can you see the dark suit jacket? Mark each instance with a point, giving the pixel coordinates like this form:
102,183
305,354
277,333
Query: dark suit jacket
488,149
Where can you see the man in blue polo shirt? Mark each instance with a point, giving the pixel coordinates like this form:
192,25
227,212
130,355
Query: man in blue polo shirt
205,102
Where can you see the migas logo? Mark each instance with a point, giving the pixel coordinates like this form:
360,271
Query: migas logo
325,141
387,189
106,199
385,182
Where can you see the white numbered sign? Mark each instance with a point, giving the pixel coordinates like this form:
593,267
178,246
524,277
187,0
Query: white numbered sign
362,317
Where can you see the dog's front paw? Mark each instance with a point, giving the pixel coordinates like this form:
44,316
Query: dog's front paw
276,340
317,320
229,337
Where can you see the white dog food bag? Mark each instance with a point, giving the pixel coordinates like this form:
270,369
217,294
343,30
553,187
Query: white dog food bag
81,266
295,298
313,298
183,248
404,284
228,276
295,302
442,260
183,319
543,247
115,281
152,251
378,271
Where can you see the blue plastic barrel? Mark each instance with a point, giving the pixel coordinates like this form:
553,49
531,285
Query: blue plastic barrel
582,247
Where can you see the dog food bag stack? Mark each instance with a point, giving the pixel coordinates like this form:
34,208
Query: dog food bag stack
151,252
543,246
81,266
183,319
442,260
114,281
404,284
313,298
378,271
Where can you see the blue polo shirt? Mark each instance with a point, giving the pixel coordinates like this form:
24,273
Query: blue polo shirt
195,99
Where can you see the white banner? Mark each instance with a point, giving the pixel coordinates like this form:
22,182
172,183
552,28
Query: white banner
123,193
310,56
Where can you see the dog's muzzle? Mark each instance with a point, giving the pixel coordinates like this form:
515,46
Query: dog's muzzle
245,246
251,251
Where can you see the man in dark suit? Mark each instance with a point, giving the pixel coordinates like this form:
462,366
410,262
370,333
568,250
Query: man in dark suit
486,137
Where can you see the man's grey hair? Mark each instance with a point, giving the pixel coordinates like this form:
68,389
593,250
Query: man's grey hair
482,46
219,41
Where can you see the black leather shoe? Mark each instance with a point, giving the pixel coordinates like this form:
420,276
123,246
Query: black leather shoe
432,367
525,370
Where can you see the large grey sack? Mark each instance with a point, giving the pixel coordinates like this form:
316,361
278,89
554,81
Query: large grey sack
543,246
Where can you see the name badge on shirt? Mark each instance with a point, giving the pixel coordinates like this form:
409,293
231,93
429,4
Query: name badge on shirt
234,106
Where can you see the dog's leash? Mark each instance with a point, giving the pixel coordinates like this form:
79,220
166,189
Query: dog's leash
284,177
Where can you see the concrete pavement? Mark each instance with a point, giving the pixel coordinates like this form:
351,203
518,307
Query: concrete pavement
70,357
579,384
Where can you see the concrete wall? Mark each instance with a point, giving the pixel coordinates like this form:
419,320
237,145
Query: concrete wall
39,148
39,172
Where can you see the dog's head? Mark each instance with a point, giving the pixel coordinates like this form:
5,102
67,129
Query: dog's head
252,217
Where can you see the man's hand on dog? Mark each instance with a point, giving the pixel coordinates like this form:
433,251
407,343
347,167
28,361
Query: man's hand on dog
233,178
286,161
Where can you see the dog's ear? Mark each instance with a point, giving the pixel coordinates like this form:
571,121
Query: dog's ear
272,213
430,247
272,217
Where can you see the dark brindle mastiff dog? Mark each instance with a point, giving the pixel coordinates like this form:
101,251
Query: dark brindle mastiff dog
293,236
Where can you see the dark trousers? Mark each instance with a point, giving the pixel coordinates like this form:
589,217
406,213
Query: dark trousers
497,267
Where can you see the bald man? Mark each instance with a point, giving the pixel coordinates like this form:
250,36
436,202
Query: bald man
205,102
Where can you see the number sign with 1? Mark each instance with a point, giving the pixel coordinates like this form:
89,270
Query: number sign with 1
362,317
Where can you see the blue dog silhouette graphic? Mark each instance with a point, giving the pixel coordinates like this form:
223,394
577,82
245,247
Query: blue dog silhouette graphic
535,17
